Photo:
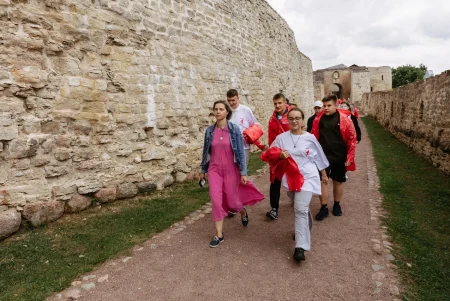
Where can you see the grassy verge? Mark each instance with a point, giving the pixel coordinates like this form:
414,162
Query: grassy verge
35,263
417,200
254,163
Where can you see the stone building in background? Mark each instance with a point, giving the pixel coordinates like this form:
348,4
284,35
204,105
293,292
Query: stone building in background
351,82
107,99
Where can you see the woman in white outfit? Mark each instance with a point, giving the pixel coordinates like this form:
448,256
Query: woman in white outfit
308,154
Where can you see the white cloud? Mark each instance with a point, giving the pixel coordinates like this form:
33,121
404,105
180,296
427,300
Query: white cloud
371,32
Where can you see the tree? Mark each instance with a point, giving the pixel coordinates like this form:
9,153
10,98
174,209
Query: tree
406,74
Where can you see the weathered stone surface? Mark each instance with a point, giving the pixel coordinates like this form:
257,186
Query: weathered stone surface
112,96
419,115
8,127
146,187
77,203
126,190
105,195
9,222
43,212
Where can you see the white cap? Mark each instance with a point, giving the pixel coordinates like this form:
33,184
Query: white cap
318,104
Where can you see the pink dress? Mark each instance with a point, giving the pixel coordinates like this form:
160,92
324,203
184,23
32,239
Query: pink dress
225,187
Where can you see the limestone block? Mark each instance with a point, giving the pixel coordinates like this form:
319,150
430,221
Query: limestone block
62,154
180,177
8,127
165,181
42,212
32,75
9,222
52,171
23,148
88,185
64,191
146,187
105,195
153,154
77,203
127,190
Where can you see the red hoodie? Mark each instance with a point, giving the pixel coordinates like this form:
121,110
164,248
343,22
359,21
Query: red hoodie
348,133
276,127
283,166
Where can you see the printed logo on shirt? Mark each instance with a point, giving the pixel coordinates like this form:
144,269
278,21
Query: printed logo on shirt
242,121
307,152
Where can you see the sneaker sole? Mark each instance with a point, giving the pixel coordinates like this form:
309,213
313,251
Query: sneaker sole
271,216
321,219
217,244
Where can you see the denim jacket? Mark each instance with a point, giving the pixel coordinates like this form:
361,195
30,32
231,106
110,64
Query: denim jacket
237,144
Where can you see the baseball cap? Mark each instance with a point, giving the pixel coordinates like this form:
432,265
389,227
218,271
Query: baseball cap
318,104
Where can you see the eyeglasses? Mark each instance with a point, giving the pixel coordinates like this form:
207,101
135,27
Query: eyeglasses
294,119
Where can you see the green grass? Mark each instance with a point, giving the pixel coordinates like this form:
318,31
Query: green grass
36,263
254,163
417,200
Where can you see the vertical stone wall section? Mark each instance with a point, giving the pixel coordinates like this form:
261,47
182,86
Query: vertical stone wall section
112,97
419,115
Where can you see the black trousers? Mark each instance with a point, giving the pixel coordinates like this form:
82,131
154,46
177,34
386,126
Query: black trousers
275,194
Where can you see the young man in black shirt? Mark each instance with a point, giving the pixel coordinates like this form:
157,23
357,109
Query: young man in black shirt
336,134
317,109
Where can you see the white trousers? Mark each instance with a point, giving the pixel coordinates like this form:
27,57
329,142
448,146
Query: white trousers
303,218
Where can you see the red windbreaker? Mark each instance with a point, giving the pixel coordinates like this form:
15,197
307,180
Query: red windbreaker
348,133
276,127
283,166
252,135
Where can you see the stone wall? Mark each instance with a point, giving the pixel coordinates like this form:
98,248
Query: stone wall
360,85
380,78
419,115
111,98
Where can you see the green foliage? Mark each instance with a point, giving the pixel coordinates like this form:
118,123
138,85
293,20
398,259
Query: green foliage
35,264
406,74
417,200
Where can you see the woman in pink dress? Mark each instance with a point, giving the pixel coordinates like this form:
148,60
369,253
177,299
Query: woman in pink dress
224,161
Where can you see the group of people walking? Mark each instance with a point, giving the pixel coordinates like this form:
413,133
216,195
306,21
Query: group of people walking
303,156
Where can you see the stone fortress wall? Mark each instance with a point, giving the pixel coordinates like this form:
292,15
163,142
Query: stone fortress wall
109,98
419,115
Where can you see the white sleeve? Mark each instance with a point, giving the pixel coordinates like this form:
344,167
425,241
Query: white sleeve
320,159
277,142
251,118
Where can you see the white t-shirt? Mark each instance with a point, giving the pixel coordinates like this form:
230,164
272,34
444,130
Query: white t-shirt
244,118
308,155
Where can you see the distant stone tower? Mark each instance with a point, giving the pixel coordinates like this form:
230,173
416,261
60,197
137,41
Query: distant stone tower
351,82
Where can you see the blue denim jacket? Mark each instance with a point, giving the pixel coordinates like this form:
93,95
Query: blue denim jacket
237,144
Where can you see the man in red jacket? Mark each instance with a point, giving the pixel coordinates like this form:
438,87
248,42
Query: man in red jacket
278,124
336,134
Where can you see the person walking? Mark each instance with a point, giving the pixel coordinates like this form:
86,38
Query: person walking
296,156
242,117
317,109
278,124
336,134
223,160
346,107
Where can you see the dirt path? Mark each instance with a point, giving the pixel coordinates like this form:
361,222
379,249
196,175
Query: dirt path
350,256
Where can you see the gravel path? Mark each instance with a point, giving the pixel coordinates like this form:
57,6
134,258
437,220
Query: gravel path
350,257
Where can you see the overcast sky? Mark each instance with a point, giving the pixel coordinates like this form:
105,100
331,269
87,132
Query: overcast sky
370,32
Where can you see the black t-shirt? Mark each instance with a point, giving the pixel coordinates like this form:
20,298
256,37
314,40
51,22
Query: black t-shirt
331,140
309,124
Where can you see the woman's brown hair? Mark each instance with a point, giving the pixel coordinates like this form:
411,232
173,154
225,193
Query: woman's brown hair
227,107
297,110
